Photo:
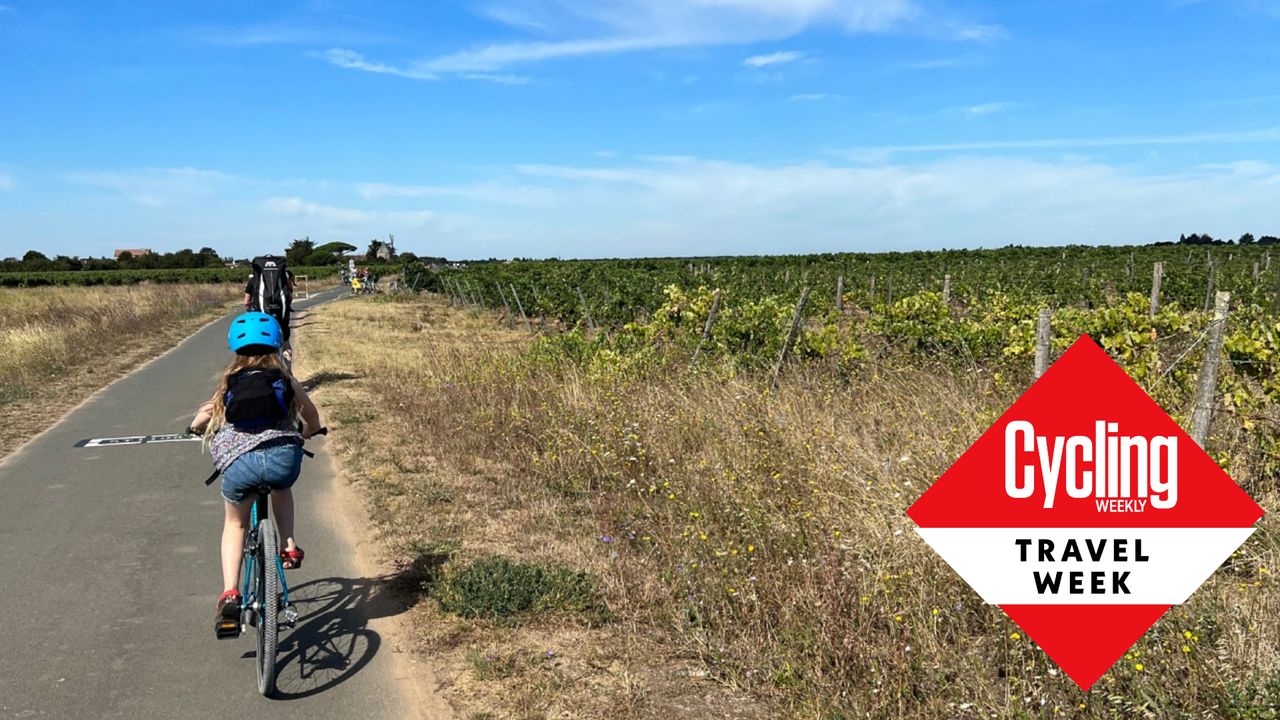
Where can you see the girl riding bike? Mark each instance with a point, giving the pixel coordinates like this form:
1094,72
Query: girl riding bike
251,429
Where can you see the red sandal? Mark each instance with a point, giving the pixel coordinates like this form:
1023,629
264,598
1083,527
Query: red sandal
292,559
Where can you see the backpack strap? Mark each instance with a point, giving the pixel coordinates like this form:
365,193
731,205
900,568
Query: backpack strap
209,480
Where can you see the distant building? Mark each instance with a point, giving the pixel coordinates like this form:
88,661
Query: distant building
135,253
387,250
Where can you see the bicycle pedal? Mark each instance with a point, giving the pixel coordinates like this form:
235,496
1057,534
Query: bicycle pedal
227,629
290,616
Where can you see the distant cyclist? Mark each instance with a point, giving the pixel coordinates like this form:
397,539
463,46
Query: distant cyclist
270,290
251,428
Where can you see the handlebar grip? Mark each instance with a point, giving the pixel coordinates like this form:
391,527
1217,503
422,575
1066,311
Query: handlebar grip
322,431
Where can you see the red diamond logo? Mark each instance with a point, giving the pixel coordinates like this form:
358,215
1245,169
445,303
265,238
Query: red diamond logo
1085,512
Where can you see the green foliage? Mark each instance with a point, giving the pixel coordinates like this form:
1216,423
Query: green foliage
496,587
133,277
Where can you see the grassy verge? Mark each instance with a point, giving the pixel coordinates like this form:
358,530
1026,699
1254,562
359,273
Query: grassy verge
733,538
58,345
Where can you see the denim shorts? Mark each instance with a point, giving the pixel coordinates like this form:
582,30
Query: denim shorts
275,464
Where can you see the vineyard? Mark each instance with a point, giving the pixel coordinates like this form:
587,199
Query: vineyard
730,445
971,310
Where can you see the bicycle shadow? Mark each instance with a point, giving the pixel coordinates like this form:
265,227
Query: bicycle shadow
325,377
332,641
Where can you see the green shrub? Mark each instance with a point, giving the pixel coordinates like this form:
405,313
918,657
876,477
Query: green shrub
496,587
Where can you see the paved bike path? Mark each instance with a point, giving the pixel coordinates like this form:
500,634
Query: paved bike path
109,569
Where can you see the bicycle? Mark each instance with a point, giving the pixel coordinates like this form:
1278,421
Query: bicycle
265,594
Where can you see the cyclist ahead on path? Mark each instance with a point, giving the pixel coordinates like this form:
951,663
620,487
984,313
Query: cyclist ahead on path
270,290
251,428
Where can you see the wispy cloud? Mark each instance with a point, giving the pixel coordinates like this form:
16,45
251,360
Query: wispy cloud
515,17
626,26
777,58
297,207
697,206
353,60
6,183
285,32
494,192
938,64
810,97
153,187
879,153
6,9
989,108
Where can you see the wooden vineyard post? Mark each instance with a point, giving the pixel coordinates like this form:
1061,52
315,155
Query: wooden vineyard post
890,290
791,337
1255,273
1043,335
1207,384
840,294
586,311
946,289
786,279
1208,293
1157,272
873,288
711,321
511,318
520,306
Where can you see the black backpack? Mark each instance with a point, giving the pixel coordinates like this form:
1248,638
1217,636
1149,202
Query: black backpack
269,287
258,398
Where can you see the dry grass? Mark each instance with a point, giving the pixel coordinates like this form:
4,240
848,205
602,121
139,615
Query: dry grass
58,344
759,538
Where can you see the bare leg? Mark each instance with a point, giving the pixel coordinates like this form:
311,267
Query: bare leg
282,506
237,516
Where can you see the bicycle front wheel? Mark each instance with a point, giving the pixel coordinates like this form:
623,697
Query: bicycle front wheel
269,606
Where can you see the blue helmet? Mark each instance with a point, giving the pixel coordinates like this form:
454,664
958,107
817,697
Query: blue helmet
254,331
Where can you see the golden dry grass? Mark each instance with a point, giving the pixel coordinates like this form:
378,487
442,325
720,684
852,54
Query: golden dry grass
758,537
58,344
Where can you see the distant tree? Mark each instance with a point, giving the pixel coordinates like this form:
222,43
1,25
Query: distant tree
35,260
298,251
1246,239
372,252
1269,240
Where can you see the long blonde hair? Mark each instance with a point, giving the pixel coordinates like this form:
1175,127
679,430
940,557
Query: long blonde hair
268,361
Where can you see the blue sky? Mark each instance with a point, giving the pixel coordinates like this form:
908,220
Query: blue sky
589,128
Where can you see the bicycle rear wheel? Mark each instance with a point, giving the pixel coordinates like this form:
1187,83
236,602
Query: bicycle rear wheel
269,606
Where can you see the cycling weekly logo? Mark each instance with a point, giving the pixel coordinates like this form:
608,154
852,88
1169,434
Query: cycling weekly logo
1085,513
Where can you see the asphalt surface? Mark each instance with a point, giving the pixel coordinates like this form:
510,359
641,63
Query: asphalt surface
109,570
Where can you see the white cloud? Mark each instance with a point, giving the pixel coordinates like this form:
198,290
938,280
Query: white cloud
493,192
989,108
674,205
285,32
6,9
622,26
515,17
353,60
299,208
694,206
777,58
809,97
1244,137
6,183
154,187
